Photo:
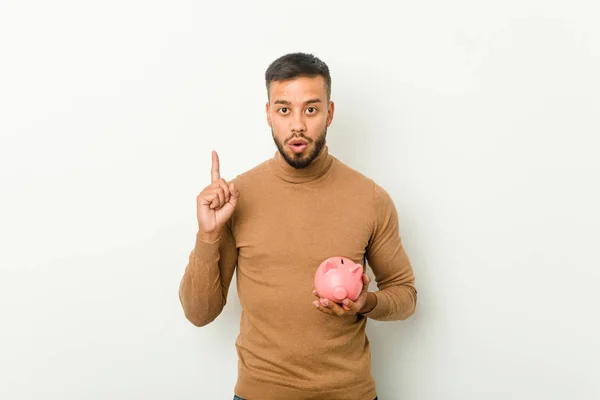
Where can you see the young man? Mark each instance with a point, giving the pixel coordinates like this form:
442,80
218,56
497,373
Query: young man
274,225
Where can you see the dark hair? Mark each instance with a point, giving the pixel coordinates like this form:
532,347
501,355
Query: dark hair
296,65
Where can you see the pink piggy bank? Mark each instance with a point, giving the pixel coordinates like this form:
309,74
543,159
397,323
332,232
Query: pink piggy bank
338,278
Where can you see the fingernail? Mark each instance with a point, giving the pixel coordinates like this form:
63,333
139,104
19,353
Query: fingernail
345,301
325,302
316,303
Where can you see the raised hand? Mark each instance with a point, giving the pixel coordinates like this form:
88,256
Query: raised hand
215,204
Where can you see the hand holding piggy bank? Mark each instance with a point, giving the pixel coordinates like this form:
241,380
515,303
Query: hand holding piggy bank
338,278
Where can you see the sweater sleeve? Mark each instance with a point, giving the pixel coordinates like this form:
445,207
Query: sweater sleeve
397,294
205,282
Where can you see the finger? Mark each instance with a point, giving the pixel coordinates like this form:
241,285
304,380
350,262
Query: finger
314,292
351,306
223,185
333,306
215,172
366,282
217,197
221,194
233,198
208,198
322,308
235,194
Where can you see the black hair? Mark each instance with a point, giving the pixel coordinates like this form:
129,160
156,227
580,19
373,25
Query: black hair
294,65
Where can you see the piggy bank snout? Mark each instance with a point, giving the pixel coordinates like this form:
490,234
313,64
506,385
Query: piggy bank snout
340,293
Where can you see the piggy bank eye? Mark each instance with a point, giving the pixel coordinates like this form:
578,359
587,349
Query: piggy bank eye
342,260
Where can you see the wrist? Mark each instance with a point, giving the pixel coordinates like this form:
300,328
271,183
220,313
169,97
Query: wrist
208,237
370,303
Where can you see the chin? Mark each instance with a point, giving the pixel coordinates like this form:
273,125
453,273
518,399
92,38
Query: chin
304,159
299,156
299,160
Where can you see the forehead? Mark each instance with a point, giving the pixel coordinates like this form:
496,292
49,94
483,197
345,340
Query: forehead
298,89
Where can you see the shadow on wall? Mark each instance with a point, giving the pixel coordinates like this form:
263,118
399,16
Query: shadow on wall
392,344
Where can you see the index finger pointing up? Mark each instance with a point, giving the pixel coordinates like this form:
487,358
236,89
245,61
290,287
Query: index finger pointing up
215,173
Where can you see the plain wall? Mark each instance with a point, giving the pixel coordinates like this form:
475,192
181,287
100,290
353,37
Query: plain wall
481,119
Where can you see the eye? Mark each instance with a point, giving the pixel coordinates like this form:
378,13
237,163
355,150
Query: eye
311,110
283,110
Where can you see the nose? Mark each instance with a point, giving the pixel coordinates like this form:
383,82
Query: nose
297,124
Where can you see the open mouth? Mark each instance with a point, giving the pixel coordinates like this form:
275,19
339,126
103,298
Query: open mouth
298,147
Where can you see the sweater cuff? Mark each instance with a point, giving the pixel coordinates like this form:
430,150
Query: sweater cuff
207,251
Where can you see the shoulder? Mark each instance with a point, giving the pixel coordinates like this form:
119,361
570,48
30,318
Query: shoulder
377,200
351,176
361,183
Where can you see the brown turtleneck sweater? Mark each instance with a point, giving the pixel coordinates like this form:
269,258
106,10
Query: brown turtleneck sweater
286,223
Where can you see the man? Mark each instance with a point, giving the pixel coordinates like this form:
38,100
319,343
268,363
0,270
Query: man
273,225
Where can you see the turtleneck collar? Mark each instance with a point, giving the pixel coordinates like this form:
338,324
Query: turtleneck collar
320,166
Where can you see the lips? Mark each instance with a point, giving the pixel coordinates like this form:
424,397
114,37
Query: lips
297,145
297,142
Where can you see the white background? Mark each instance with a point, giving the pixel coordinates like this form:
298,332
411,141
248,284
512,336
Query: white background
480,118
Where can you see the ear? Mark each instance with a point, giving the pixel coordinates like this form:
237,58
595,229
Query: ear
357,270
330,111
267,108
328,267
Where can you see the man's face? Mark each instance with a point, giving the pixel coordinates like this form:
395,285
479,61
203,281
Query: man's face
299,114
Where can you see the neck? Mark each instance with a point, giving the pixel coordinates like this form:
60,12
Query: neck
316,169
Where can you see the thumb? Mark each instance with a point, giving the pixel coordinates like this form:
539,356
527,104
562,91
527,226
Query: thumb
366,280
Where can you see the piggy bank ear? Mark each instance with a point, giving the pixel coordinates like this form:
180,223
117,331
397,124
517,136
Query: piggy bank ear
357,270
328,267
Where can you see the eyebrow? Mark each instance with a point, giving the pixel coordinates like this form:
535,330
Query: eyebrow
287,103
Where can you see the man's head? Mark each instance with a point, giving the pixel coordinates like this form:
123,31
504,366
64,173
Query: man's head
299,109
